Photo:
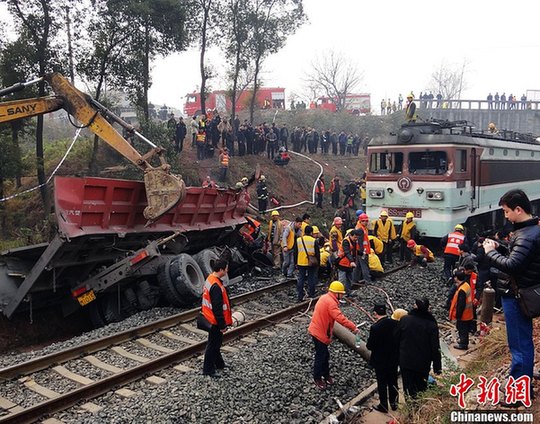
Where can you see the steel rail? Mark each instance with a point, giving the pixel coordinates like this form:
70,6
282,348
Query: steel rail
85,393
43,362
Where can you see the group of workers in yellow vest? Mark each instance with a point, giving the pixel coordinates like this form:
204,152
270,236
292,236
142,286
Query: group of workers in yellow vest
359,254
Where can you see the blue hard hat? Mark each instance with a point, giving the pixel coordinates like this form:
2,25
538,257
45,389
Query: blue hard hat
359,212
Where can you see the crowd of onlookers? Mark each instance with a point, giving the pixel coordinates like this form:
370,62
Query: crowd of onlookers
503,102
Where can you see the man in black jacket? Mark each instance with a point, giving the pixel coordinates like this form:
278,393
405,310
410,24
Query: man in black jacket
418,338
522,264
384,357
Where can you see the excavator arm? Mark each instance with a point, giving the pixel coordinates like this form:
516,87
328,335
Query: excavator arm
163,189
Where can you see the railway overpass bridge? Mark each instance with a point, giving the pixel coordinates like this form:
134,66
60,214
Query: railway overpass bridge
523,117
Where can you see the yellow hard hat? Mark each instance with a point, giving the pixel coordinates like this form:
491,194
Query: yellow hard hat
491,125
410,95
398,314
336,287
459,227
274,213
384,213
315,229
409,215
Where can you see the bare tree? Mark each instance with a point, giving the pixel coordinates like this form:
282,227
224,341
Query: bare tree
335,76
449,80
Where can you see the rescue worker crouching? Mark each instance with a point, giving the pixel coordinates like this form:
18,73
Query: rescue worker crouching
421,254
326,313
216,308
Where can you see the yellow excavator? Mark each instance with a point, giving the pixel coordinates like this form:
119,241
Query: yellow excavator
163,189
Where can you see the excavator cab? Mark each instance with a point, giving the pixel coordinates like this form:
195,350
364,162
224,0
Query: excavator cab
164,190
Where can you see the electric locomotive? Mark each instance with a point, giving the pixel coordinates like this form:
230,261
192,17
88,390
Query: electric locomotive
446,173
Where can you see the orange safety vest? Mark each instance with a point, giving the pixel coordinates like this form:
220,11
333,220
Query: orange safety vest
206,308
343,260
472,281
320,187
365,242
454,240
468,312
224,160
201,137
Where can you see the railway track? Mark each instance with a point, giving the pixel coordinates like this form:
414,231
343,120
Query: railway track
187,342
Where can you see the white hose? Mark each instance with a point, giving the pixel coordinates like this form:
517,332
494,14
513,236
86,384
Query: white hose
50,176
312,201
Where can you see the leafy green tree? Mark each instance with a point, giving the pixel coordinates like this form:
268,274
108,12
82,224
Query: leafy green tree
155,27
38,24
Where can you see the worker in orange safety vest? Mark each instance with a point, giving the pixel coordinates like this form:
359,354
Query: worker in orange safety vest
450,243
461,309
216,309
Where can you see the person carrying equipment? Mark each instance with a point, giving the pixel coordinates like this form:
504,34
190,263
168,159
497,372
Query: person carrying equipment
326,313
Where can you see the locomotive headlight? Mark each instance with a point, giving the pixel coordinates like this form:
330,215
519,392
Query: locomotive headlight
435,195
376,194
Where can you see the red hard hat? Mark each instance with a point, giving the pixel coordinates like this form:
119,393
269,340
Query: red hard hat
411,243
363,217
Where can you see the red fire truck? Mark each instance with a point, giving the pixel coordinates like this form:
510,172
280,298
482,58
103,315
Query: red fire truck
355,104
267,98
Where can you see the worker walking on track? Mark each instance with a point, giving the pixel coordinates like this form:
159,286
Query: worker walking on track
326,313
306,246
451,243
275,231
216,309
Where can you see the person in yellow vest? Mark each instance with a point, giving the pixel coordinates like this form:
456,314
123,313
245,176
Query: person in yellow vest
306,218
410,110
216,309
408,232
363,194
336,234
384,230
421,254
450,243
376,245
325,267
223,164
461,309
275,233
375,267
288,239
306,246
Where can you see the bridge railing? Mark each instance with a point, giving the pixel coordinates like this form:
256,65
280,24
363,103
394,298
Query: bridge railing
466,104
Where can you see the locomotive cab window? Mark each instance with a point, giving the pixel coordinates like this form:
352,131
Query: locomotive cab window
386,163
428,163
460,163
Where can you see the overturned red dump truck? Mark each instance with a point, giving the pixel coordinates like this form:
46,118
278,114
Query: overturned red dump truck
106,257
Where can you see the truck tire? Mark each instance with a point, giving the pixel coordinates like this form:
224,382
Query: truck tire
110,309
205,259
131,298
188,277
168,285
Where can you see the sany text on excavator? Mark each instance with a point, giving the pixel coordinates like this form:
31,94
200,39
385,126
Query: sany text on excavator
163,189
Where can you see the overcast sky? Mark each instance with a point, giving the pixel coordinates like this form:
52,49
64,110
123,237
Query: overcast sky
397,44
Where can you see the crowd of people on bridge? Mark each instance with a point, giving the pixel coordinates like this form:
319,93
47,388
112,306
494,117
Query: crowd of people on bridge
510,102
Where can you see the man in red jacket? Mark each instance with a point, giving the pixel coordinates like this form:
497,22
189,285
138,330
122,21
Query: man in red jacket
326,313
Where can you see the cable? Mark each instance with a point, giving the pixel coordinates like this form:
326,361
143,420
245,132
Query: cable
50,176
312,201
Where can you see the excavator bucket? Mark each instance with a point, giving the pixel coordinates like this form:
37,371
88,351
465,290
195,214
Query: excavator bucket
163,192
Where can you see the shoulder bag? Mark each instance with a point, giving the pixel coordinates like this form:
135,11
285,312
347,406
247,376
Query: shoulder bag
528,299
312,259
